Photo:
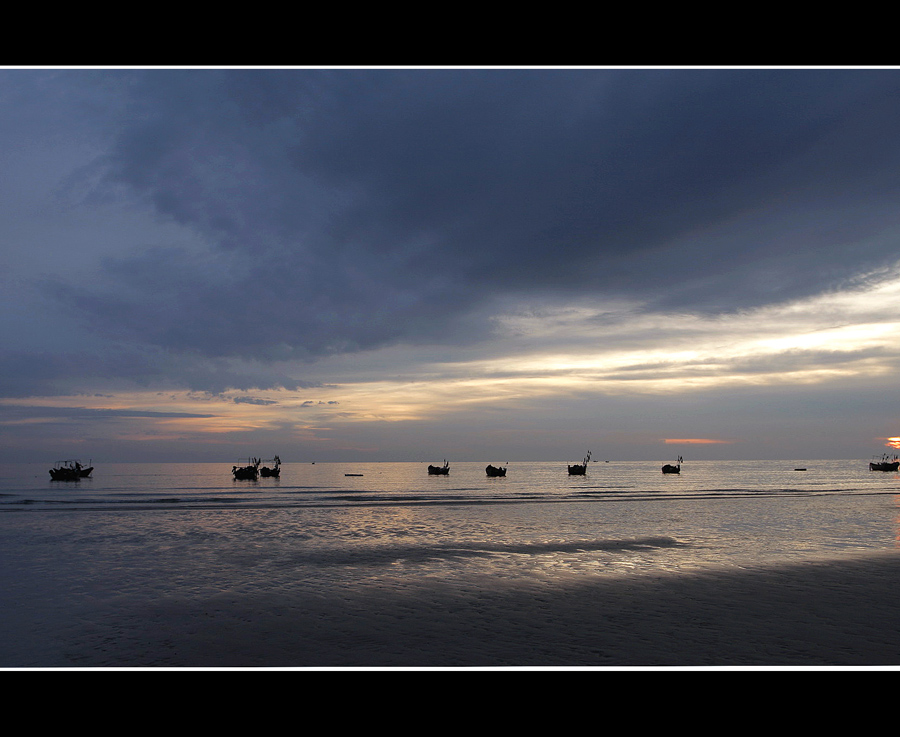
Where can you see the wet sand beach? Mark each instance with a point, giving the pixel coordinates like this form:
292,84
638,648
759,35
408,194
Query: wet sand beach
817,614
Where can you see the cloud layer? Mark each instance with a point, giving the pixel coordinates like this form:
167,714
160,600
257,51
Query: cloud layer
349,209
231,229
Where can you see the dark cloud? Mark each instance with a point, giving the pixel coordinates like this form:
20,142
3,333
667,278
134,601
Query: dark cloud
350,209
72,370
13,412
254,400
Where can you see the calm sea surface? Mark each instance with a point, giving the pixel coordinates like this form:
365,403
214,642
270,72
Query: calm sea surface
620,515
95,570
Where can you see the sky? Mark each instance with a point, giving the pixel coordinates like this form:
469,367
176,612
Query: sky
479,264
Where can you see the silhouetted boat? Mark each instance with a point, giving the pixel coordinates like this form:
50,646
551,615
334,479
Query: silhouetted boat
70,471
64,474
580,470
275,471
247,473
885,464
669,468
440,470
494,471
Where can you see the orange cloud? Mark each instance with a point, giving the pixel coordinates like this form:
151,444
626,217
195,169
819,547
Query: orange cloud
892,442
695,441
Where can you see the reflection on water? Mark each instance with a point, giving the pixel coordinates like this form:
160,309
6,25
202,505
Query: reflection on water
394,520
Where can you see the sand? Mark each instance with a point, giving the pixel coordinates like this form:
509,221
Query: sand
824,614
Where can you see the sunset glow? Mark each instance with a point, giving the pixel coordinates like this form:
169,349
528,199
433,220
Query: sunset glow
778,346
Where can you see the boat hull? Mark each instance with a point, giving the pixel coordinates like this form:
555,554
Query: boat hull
884,466
273,472
70,471
64,474
246,473
580,469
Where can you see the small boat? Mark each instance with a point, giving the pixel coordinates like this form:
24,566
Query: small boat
275,471
885,464
440,470
669,468
352,474
249,472
580,470
71,470
64,474
494,470
894,466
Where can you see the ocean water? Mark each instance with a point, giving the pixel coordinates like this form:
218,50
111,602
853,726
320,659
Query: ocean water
619,515
135,537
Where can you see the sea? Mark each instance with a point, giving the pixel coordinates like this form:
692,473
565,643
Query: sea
134,538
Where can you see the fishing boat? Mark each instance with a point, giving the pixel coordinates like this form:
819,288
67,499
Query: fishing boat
885,464
580,469
63,473
439,470
670,468
250,472
70,470
275,471
494,470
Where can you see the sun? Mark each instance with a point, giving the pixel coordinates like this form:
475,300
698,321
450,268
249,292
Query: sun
892,442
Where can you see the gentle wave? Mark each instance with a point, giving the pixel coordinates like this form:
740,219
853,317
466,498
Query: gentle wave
207,486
